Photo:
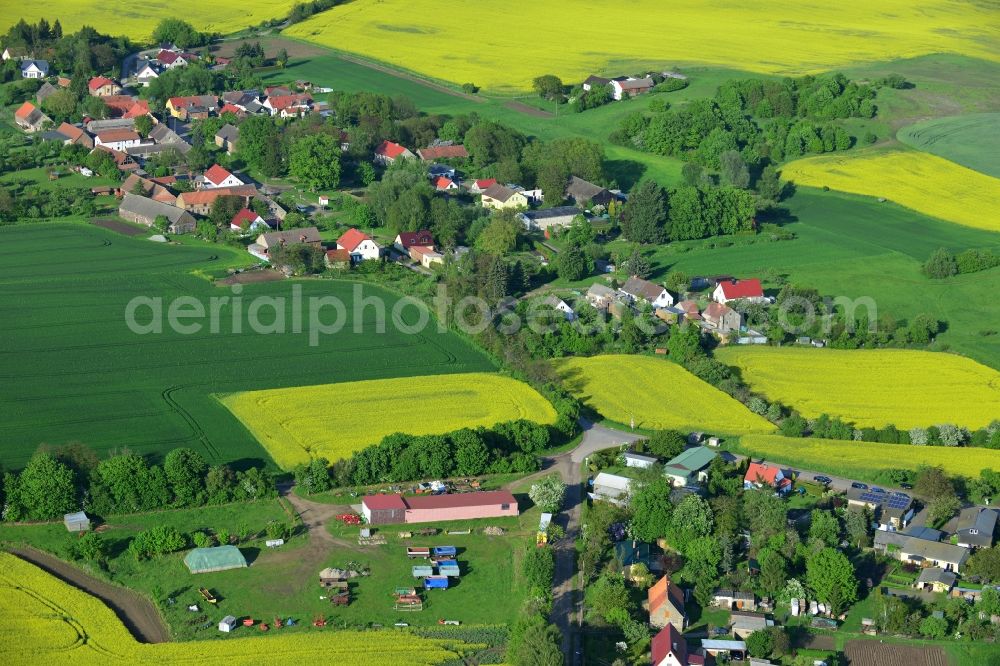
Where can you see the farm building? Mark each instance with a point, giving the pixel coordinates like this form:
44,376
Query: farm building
636,289
582,192
745,624
219,558
76,522
611,488
690,467
734,599
936,579
600,296
145,211
453,152
387,509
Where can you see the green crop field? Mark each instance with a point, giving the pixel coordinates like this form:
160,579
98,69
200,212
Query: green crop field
847,245
72,370
972,141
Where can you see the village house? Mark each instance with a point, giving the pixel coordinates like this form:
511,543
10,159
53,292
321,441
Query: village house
690,467
760,475
226,138
583,193
499,197
146,72
169,59
200,202
689,310
480,185
123,160
14,53
638,290
192,106
622,88
407,239
145,211
34,69
29,118
247,221
289,106
102,86
360,245
893,512
559,305
445,184
136,184
611,488
337,259
921,552
75,135
722,318
734,290
269,240
391,509
638,460
976,526
218,176
669,648
443,152
666,604
545,219
388,152
435,171
117,139
936,579
734,599
164,136
600,296
426,255
594,81
45,91
744,624
138,108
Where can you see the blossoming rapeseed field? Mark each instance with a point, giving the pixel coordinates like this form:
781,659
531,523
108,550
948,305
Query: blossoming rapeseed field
926,183
658,394
873,387
48,621
334,420
573,38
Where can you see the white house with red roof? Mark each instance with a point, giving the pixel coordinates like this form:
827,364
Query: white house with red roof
388,152
669,648
248,221
734,290
481,185
29,118
407,239
170,59
289,106
118,139
361,246
445,184
218,176
762,474
101,86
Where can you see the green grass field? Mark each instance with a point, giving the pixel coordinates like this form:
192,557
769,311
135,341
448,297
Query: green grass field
972,141
74,372
847,245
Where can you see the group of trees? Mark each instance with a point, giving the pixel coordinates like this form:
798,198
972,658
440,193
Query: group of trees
913,617
533,641
62,480
652,215
943,263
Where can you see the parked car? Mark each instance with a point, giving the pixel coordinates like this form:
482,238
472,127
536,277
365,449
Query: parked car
898,494
859,486
876,489
906,486
825,480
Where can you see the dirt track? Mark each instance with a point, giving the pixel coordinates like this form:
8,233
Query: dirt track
136,613
529,110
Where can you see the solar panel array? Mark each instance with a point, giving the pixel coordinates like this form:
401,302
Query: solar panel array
889,501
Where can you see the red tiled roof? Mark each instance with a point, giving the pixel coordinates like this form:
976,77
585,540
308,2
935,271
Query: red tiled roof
71,132
140,108
98,82
351,239
669,640
245,215
410,238
390,149
762,472
483,183
24,110
277,90
167,57
443,182
113,135
742,289
216,174
661,591
383,502
335,256
280,102
487,498
230,108
443,152
209,196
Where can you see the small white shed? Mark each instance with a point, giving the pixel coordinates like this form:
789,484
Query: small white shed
227,624
77,522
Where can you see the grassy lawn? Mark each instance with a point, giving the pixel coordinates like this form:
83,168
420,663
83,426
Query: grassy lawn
39,177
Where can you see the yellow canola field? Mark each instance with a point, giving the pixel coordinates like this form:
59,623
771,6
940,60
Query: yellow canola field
335,420
658,394
865,459
47,621
926,183
506,45
136,20
873,387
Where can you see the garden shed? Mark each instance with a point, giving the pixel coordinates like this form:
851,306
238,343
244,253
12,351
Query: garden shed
77,522
220,558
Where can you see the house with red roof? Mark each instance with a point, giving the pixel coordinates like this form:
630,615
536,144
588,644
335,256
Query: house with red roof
360,245
760,475
337,259
453,152
170,59
289,106
388,152
669,648
217,176
481,185
192,106
102,86
734,290
75,135
445,184
390,509
666,604
139,108
247,221
407,239
29,118
117,139
722,318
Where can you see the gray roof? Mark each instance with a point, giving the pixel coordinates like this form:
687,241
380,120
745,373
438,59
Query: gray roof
40,64
600,291
499,192
291,236
976,526
636,84
45,90
78,517
934,550
644,289
723,645
924,532
581,190
546,213
150,209
95,126
638,456
937,575
146,149
228,133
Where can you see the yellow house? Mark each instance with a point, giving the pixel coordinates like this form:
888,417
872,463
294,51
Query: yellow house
500,197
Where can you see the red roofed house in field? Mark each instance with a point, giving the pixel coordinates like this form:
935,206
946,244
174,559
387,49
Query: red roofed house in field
217,176
407,239
246,221
443,153
388,152
101,86
670,649
388,509
29,118
666,604
761,474
734,290
360,245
